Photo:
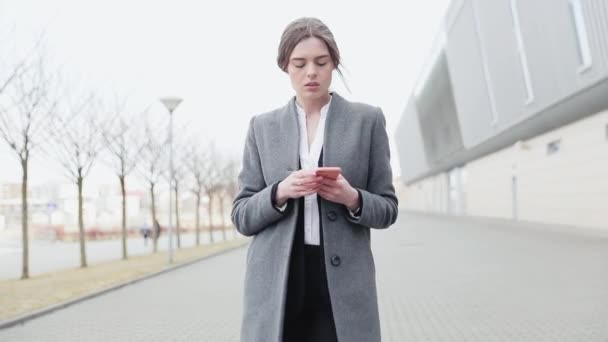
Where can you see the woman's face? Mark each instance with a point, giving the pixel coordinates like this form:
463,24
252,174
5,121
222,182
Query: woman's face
310,69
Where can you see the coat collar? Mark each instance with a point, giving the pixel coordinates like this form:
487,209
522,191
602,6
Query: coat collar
336,121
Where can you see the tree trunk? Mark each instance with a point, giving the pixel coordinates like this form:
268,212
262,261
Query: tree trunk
221,199
25,271
83,255
209,214
179,243
124,217
155,233
198,218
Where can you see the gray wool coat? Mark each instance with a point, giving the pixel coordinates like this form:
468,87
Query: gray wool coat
355,139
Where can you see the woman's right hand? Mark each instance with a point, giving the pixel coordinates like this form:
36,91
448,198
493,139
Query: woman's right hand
298,184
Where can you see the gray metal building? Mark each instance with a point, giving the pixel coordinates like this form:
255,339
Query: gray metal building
505,76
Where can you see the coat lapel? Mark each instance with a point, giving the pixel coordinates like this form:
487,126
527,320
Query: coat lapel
290,133
333,148
335,124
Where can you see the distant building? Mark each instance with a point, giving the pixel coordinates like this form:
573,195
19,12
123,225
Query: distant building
55,206
509,118
41,205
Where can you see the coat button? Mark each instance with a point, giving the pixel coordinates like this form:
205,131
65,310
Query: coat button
335,260
332,215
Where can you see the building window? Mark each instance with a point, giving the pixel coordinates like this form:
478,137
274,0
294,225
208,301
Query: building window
485,68
582,40
553,147
523,58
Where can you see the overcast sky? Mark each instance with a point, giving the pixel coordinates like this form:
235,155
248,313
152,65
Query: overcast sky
220,56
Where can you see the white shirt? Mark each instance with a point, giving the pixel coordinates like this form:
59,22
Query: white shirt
309,160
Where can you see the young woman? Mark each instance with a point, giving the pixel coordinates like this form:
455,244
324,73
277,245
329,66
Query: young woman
310,271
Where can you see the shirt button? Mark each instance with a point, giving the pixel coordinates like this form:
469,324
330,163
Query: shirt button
332,215
335,260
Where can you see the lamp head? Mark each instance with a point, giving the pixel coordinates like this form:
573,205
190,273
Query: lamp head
171,102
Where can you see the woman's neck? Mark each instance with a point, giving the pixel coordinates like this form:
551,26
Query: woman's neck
313,105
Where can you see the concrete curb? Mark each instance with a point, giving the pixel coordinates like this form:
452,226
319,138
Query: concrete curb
20,320
504,223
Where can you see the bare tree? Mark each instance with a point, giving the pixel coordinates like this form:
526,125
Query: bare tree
202,165
228,187
20,67
152,167
77,133
211,184
26,104
180,171
15,72
232,181
124,141
196,163
179,175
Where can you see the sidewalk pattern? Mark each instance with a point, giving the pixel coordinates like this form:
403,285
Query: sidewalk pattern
438,280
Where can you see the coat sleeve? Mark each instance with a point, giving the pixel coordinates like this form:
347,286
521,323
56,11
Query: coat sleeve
253,208
379,205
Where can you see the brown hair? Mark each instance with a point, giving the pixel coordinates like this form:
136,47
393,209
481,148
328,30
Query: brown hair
304,28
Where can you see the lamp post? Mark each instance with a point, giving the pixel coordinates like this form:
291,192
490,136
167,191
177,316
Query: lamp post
171,103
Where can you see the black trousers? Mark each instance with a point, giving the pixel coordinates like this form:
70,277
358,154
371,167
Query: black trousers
308,312
310,318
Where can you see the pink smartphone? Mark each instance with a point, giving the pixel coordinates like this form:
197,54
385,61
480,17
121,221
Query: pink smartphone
329,172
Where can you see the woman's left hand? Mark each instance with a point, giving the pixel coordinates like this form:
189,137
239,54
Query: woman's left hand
339,191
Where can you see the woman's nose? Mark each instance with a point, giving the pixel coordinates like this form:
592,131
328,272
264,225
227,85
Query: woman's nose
311,71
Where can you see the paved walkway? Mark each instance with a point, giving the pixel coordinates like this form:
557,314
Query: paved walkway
438,279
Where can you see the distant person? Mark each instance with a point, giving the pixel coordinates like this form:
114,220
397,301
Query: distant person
310,273
146,231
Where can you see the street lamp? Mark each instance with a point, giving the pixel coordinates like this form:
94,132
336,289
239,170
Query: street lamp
171,103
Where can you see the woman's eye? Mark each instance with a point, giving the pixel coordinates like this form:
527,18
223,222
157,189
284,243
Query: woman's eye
300,66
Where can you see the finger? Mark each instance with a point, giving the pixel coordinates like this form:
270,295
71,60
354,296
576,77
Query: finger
314,190
311,185
299,182
315,187
311,179
299,186
296,175
329,181
327,187
307,186
326,191
306,173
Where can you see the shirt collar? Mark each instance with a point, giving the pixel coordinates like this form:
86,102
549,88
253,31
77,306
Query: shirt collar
324,109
